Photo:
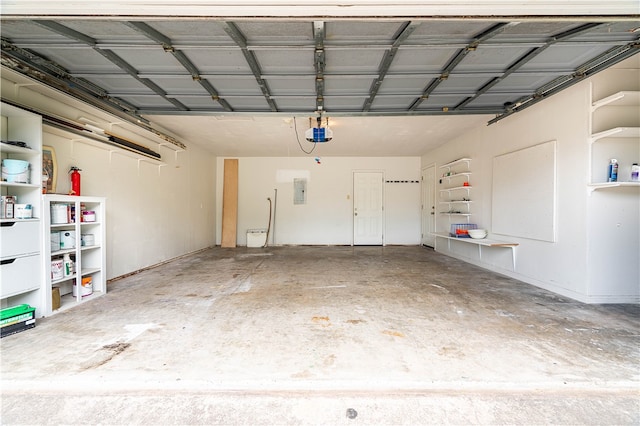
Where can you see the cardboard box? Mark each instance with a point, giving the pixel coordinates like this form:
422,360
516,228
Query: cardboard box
55,298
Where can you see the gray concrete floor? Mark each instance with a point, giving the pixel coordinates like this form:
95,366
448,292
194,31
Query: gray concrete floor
301,335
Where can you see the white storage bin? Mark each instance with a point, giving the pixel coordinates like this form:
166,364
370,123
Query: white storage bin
256,237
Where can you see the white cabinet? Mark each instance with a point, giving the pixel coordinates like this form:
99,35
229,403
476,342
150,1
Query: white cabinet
615,133
20,246
73,226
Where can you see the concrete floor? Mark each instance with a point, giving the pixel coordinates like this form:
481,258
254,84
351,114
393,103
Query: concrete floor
325,335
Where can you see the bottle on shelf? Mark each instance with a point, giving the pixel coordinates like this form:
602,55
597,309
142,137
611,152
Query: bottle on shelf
635,173
67,265
613,171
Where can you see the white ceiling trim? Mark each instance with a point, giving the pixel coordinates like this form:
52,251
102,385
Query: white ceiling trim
320,8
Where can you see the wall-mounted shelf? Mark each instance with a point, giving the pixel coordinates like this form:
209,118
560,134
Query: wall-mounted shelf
606,185
456,188
453,163
622,98
453,202
456,197
617,132
482,242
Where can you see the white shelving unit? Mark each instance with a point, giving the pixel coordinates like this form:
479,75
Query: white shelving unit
613,208
613,137
89,257
20,247
454,197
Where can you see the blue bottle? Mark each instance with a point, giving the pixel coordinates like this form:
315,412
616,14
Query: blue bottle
613,171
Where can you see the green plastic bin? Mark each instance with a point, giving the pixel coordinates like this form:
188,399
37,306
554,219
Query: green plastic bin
16,319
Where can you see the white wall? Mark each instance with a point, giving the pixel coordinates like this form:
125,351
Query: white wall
564,266
327,217
155,211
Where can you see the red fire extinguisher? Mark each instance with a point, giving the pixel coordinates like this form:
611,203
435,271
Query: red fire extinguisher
75,180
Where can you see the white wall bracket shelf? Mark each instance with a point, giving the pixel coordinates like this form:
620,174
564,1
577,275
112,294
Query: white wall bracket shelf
483,242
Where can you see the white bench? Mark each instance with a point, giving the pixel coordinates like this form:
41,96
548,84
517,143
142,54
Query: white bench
480,242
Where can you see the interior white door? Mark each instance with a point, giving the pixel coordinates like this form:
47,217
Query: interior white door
368,215
428,206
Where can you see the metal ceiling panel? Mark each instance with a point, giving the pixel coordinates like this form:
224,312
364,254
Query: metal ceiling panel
491,58
468,84
392,103
193,33
422,60
405,85
105,31
279,33
345,61
361,32
23,32
335,85
438,101
117,84
533,32
447,32
367,66
523,82
559,58
226,60
249,104
287,61
150,102
179,85
150,60
291,86
235,85
295,104
345,103
78,59
204,103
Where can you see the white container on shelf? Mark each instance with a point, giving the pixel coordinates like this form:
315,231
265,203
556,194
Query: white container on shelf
57,269
67,240
23,211
16,171
55,241
59,213
87,240
86,288
88,216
